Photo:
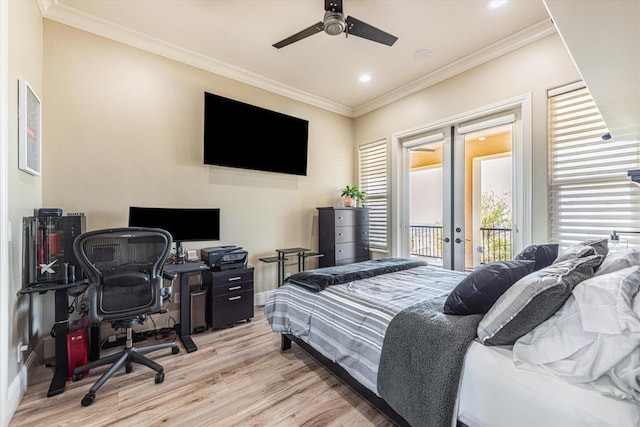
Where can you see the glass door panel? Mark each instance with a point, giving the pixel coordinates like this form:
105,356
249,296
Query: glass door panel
459,194
483,197
426,202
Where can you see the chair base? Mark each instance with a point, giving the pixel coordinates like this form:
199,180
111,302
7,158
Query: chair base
126,358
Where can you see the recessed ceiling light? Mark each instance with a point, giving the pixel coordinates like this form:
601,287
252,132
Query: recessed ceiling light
494,4
364,78
482,138
421,53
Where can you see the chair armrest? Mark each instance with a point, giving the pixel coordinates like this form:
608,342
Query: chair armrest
169,276
78,287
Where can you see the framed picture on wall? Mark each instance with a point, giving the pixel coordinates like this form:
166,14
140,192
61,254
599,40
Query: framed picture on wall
30,129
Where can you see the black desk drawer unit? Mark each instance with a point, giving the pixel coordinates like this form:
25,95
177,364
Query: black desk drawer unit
343,235
230,297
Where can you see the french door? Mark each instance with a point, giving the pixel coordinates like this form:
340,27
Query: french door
459,207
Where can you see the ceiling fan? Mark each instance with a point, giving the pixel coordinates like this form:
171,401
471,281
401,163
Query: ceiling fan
335,23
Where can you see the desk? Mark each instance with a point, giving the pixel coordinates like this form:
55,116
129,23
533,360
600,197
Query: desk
61,328
184,328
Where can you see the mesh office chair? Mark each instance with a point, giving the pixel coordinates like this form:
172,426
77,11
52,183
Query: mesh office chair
124,268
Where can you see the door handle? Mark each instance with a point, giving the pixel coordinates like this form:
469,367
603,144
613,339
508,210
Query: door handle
446,240
458,240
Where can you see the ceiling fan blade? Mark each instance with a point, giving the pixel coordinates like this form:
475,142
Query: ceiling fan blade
358,28
315,28
333,5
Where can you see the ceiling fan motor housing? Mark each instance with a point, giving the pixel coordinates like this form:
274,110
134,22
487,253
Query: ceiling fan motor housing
334,23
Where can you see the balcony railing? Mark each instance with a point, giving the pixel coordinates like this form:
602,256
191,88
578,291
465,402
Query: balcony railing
496,244
426,241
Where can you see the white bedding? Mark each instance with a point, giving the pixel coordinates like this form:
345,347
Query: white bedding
494,393
593,341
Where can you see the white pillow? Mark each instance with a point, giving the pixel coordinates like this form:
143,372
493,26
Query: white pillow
593,338
618,260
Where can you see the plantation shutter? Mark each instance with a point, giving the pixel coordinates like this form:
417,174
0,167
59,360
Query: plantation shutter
373,181
591,194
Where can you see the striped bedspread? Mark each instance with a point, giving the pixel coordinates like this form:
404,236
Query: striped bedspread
347,322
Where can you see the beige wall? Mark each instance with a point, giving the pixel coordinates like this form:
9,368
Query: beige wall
25,191
532,69
124,127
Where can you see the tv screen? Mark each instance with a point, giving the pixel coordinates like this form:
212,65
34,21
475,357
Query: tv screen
240,135
183,224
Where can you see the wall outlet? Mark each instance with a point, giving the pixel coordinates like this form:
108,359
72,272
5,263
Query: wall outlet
21,348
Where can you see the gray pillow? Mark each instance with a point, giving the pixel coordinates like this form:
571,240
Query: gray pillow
533,299
585,248
618,260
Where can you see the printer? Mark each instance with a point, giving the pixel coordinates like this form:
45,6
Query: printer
227,257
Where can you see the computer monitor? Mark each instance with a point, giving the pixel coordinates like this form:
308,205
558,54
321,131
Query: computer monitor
184,224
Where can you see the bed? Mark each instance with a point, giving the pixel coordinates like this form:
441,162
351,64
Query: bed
387,328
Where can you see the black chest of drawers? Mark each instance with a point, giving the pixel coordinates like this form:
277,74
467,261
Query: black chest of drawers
230,297
343,235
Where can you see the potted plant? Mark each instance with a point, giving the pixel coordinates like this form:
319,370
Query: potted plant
352,195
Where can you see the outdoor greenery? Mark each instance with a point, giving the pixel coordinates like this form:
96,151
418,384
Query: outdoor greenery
496,210
496,213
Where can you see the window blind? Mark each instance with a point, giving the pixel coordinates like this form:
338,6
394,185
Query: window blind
591,194
373,180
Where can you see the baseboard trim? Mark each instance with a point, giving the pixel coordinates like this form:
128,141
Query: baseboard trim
18,386
261,298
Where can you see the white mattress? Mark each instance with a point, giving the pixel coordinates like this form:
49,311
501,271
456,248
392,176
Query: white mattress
494,393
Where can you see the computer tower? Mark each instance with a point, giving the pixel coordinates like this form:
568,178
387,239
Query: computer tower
77,347
49,248
198,309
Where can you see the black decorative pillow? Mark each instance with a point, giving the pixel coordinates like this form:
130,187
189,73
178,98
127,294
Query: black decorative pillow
584,249
533,299
543,255
477,292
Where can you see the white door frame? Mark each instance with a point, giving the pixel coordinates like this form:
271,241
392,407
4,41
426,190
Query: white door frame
4,213
522,170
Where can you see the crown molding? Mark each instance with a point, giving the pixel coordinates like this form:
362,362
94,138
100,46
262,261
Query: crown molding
522,38
53,10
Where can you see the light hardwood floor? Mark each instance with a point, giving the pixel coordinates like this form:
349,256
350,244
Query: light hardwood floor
238,377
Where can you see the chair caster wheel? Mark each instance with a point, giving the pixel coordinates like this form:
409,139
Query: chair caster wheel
159,377
77,377
88,399
175,350
128,368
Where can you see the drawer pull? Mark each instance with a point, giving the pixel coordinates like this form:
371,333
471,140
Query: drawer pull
235,298
233,279
340,234
340,217
233,288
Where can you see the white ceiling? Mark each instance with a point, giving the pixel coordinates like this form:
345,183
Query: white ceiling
234,38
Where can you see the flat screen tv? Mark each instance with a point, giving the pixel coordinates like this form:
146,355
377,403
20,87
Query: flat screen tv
184,224
240,135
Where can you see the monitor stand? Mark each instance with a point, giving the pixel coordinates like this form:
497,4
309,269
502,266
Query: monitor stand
179,253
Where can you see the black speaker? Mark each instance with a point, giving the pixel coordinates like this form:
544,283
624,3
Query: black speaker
198,308
73,227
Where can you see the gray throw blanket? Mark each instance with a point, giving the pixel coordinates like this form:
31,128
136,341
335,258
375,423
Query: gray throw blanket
421,362
318,279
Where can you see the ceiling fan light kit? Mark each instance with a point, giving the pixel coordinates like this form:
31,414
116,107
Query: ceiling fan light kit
335,23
